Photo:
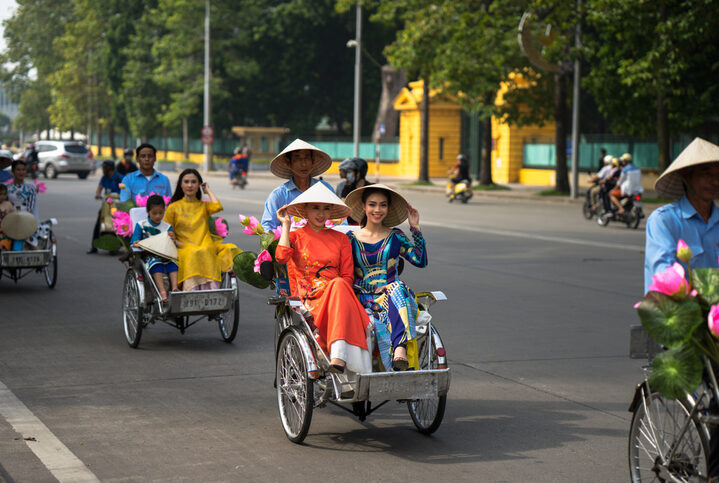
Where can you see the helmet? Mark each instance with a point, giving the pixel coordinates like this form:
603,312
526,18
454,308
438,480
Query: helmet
607,159
237,150
361,167
626,157
615,162
5,154
128,151
108,164
349,163
462,158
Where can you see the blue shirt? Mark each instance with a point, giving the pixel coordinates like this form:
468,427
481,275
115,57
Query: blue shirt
111,183
136,184
284,194
675,221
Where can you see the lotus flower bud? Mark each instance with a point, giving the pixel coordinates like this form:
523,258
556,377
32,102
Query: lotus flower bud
684,253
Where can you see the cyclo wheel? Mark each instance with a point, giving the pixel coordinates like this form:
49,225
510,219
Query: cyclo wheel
427,414
131,309
656,427
295,396
50,270
230,320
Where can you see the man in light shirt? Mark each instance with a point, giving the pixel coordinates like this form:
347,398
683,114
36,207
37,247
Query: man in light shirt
630,182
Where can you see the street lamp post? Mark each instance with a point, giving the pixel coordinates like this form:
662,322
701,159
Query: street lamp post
357,44
207,147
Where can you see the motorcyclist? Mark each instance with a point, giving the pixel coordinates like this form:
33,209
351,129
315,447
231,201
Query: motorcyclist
594,190
126,165
31,160
355,172
239,163
629,183
459,172
608,183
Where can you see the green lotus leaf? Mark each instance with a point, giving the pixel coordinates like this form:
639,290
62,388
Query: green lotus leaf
676,372
244,266
124,205
266,240
107,242
670,322
272,247
706,282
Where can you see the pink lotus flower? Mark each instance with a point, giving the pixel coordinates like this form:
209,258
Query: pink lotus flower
264,256
141,200
167,199
41,188
244,220
121,186
110,201
297,223
713,320
220,227
122,223
684,253
670,282
277,232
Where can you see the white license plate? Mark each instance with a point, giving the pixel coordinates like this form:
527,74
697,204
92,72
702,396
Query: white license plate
24,260
203,302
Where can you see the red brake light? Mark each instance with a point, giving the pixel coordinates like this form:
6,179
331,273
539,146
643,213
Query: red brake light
64,156
638,197
90,155
441,352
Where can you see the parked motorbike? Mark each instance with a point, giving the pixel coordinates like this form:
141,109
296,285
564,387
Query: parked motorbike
462,191
632,215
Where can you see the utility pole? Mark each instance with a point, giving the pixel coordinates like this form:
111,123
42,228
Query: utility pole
574,189
358,81
207,146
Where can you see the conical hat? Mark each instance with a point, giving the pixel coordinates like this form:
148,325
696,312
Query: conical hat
318,193
5,158
19,225
396,213
699,151
280,165
160,245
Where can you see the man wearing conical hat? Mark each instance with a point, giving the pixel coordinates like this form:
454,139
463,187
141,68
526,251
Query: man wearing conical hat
693,180
299,163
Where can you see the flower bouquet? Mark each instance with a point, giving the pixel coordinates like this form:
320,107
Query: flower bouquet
248,265
682,314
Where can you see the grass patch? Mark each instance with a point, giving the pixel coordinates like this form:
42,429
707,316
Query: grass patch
490,187
552,193
419,183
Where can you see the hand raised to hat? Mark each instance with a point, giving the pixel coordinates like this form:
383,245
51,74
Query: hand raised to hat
283,217
412,215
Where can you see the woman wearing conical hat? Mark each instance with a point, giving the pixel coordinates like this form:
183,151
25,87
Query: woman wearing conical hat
299,163
693,180
319,261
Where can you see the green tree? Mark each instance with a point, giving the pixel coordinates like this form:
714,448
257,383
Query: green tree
653,66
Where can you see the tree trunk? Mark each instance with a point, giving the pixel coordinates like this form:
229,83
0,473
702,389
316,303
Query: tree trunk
185,138
99,140
560,140
72,134
663,132
164,141
393,81
111,134
485,167
124,142
424,133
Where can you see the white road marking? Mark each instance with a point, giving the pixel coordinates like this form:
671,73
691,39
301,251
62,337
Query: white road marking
59,460
533,236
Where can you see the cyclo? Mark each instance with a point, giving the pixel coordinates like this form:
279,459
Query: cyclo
142,303
17,264
304,382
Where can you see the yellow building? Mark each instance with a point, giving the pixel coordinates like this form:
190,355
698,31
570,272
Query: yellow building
508,147
444,131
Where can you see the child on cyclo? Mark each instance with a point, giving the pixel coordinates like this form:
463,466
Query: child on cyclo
5,208
154,225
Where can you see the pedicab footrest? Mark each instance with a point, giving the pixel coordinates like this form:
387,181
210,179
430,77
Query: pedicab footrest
24,258
382,386
201,301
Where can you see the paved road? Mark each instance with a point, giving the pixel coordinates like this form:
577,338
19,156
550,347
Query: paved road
536,328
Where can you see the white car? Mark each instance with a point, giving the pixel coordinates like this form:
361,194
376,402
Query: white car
56,157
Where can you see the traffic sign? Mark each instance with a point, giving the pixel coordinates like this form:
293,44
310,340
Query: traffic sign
208,135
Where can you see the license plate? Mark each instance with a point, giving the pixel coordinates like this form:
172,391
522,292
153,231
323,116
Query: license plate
191,302
23,259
